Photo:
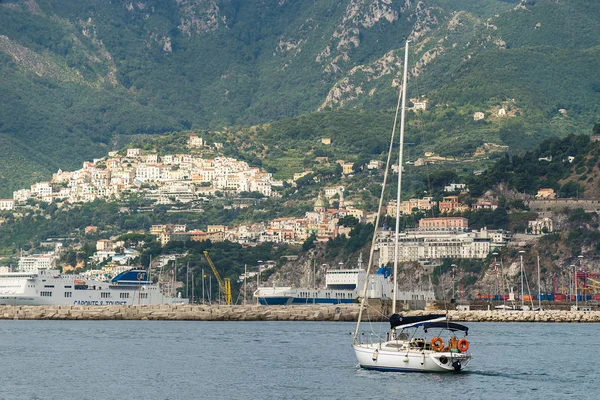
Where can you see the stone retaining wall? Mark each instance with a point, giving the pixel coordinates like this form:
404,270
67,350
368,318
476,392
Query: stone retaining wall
271,313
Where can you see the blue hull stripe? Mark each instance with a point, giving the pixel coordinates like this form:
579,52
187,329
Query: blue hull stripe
273,301
389,369
278,301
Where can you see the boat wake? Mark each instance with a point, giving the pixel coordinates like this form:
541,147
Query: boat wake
527,376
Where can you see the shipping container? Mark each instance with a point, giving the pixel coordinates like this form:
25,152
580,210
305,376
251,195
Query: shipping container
560,297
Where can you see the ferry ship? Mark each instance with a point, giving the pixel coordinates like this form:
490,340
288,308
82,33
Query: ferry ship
50,287
342,286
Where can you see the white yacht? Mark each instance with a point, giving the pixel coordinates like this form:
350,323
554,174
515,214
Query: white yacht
402,349
406,349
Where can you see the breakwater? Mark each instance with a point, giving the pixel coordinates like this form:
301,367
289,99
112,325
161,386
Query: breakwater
272,313
182,313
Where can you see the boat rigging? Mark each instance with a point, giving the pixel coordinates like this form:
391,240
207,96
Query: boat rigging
402,349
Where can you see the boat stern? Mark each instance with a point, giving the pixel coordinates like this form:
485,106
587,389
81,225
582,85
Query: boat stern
451,361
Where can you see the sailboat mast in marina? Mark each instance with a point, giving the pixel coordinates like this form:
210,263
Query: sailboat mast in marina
401,350
400,164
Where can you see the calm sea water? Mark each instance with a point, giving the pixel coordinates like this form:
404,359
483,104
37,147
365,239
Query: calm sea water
280,360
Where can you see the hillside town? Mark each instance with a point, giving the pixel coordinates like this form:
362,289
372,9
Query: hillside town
180,179
167,179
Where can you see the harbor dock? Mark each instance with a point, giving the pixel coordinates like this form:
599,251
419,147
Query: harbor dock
342,312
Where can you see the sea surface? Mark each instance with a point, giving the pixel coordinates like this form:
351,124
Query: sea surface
281,360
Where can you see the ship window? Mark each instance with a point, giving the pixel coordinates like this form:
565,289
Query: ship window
105,295
46,294
144,295
68,294
48,286
124,295
68,287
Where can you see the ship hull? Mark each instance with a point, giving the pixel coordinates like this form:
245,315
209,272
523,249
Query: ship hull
48,287
343,286
375,357
283,301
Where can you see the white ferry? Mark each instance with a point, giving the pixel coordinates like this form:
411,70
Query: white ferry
50,287
342,286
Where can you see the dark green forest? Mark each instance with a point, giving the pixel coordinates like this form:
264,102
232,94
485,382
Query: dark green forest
79,79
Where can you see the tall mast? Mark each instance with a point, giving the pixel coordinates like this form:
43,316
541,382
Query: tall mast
522,284
539,284
377,219
400,163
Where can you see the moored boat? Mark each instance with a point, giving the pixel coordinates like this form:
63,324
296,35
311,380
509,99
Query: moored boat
344,286
405,349
50,287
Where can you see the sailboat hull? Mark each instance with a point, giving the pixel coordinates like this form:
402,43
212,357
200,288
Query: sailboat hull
379,357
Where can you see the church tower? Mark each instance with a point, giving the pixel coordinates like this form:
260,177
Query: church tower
319,204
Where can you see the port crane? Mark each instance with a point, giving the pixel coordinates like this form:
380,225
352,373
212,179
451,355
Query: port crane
224,284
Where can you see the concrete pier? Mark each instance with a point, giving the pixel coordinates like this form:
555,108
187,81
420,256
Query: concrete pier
272,313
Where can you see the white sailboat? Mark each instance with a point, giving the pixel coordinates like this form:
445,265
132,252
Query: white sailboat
404,348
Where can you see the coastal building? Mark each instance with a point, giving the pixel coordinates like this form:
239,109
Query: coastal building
540,226
410,206
195,141
485,205
7,204
104,245
454,187
331,191
444,224
197,235
347,167
216,233
35,262
419,104
131,153
375,164
546,193
429,244
41,189
21,195
152,158
452,204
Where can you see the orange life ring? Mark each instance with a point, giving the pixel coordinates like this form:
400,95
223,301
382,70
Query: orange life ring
437,343
463,345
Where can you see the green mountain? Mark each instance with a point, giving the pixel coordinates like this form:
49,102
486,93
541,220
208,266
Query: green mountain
80,78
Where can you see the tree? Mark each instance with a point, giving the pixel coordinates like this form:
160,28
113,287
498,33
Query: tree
309,243
348,221
439,179
570,189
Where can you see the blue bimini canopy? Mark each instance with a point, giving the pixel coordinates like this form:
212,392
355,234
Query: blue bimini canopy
399,319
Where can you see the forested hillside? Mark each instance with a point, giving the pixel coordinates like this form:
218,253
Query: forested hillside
80,78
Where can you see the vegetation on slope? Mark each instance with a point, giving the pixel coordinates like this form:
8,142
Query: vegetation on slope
76,77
